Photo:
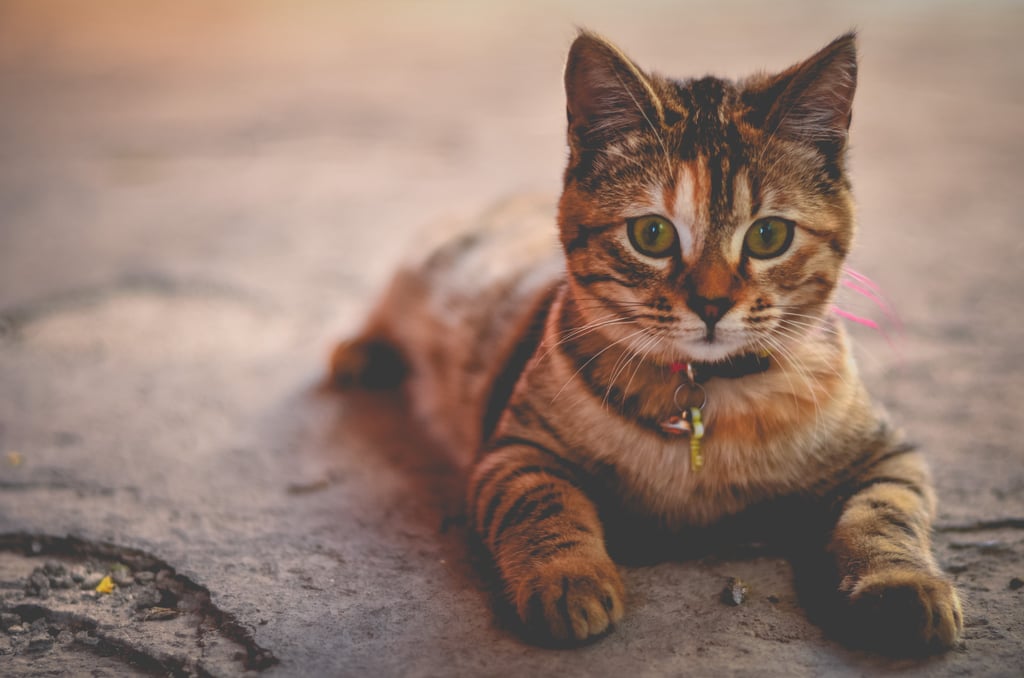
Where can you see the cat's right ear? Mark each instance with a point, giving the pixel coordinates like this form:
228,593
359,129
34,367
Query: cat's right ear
607,95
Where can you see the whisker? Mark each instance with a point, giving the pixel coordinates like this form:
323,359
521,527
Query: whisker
790,357
592,359
797,338
631,352
654,340
579,332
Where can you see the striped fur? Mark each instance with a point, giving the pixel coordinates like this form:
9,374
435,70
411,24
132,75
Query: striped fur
554,363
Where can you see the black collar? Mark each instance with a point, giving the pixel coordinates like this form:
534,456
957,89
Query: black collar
733,368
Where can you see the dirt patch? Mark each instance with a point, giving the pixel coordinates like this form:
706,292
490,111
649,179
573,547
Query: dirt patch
73,603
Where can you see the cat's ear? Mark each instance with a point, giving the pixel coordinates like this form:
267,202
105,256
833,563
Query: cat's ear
607,95
811,101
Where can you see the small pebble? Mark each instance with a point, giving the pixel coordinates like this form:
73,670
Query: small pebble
5,646
53,567
62,582
84,638
65,637
17,628
122,577
77,573
735,592
38,584
144,577
91,580
1016,583
146,596
40,642
9,619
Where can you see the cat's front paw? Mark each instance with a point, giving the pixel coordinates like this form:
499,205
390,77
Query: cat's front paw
905,611
571,599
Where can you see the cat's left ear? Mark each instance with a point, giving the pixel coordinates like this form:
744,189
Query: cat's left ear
811,101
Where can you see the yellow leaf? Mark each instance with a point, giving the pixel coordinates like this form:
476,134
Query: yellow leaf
106,585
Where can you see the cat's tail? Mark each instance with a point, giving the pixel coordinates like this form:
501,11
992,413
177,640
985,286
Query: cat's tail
366,361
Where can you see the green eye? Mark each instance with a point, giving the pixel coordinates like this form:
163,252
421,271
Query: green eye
652,235
768,237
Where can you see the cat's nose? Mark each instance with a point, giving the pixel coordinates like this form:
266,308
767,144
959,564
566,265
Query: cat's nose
709,310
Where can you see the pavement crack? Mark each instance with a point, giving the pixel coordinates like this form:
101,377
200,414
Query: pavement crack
62,594
983,525
81,489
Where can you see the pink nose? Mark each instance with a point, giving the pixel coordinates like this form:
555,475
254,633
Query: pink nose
710,310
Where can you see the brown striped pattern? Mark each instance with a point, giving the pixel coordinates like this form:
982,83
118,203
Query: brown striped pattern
881,544
555,365
530,511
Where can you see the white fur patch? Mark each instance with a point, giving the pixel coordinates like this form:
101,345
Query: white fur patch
684,214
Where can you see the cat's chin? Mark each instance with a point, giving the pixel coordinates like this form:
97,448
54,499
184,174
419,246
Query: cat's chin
716,351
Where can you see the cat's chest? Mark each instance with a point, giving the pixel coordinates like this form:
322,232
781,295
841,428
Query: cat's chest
652,475
753,450
664,478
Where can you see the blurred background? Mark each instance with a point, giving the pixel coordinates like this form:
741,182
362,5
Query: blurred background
196,198
310,136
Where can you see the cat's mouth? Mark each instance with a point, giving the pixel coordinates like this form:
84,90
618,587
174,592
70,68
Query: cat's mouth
714,346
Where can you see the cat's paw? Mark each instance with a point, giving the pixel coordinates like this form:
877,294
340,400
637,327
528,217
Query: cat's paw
571,599
905,611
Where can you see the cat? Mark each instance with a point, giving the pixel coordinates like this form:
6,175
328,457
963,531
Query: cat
665,362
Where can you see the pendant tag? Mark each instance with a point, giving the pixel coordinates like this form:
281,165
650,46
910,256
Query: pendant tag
697,424
690,421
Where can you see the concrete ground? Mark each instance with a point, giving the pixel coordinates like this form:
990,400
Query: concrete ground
196,198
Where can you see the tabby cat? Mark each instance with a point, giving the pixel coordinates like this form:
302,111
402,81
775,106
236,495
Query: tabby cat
673,366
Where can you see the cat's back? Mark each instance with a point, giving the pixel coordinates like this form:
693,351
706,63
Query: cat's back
464,307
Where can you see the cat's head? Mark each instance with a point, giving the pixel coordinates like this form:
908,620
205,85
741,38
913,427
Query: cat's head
715,215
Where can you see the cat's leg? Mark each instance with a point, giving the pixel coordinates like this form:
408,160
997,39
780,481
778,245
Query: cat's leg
547,543
897,596
366,361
